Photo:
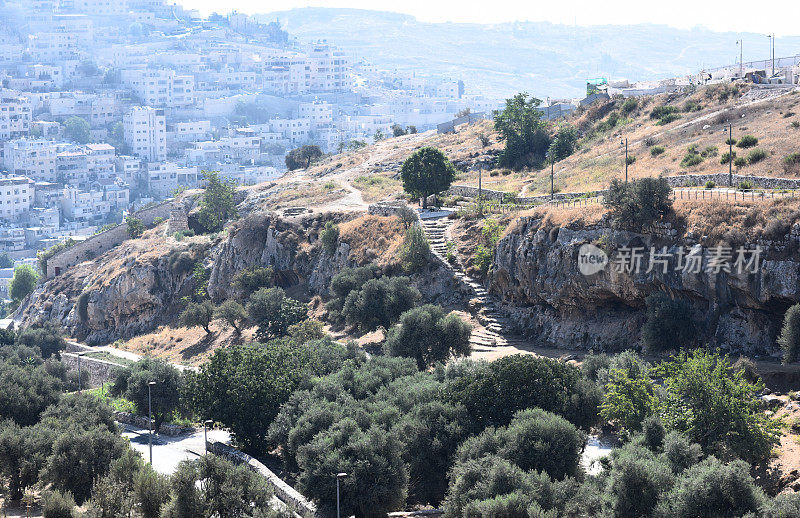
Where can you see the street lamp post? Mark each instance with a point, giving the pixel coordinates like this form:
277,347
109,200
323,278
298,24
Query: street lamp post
339,476
150,420
206,424
625,142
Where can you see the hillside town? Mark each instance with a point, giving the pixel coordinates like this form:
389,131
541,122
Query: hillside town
107,107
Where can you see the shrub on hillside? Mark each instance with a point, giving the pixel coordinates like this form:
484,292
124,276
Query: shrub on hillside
789,339
668,325
747,141
638,203
329,237
691,158
726,157
629,106
740,162
252,279
791,163
728,489
659,112
756,155
630,159
56,504
415,251
657,150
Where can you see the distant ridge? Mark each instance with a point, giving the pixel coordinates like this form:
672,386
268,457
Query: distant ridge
542,58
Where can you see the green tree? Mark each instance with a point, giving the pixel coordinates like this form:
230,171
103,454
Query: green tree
564,143
379,302
377,480
329,237
727,489
232,313
629,399
46,338
56,504
77,130
198,314
638,203
151,490
525,134
429,336
789,339
238,379
25,392
5,260
135,227
415,251
217,205
712,403
273,312
23,282
636,482
302,157
164,394
253,278
427,171
213,486
492,393
19,460
80,458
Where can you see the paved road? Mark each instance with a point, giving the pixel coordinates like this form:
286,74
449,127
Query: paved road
169,451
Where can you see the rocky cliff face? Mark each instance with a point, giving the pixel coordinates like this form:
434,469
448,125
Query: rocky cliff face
536,276
141,284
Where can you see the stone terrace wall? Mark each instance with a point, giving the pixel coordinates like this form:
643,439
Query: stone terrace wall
100,371
721,179
284,491
469,191
105,241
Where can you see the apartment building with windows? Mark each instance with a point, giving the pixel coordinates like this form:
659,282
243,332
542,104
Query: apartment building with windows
34,158
16,197
146,133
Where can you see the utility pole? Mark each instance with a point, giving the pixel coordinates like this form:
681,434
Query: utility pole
740,43
730,154
552,166
150,420
772,41
626,159
480,190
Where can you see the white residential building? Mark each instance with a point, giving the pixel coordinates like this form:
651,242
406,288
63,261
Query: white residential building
15,117
50,47
128,168
160,87
165,178
146,133
188,131
329,69
35,159
293,130
318,113
16,196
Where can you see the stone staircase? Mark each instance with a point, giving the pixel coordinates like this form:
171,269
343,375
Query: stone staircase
493,332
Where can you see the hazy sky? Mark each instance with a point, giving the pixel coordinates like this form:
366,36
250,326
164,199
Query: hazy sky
778,16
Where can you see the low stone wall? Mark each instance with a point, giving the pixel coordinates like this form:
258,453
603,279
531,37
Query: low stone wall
721,179
166,428
468,191
385,208
104,241
100,371
284,491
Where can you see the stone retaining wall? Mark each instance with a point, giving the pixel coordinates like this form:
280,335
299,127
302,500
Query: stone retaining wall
469,191
384,208
721,179
284,491
171,430
100,371
104,241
